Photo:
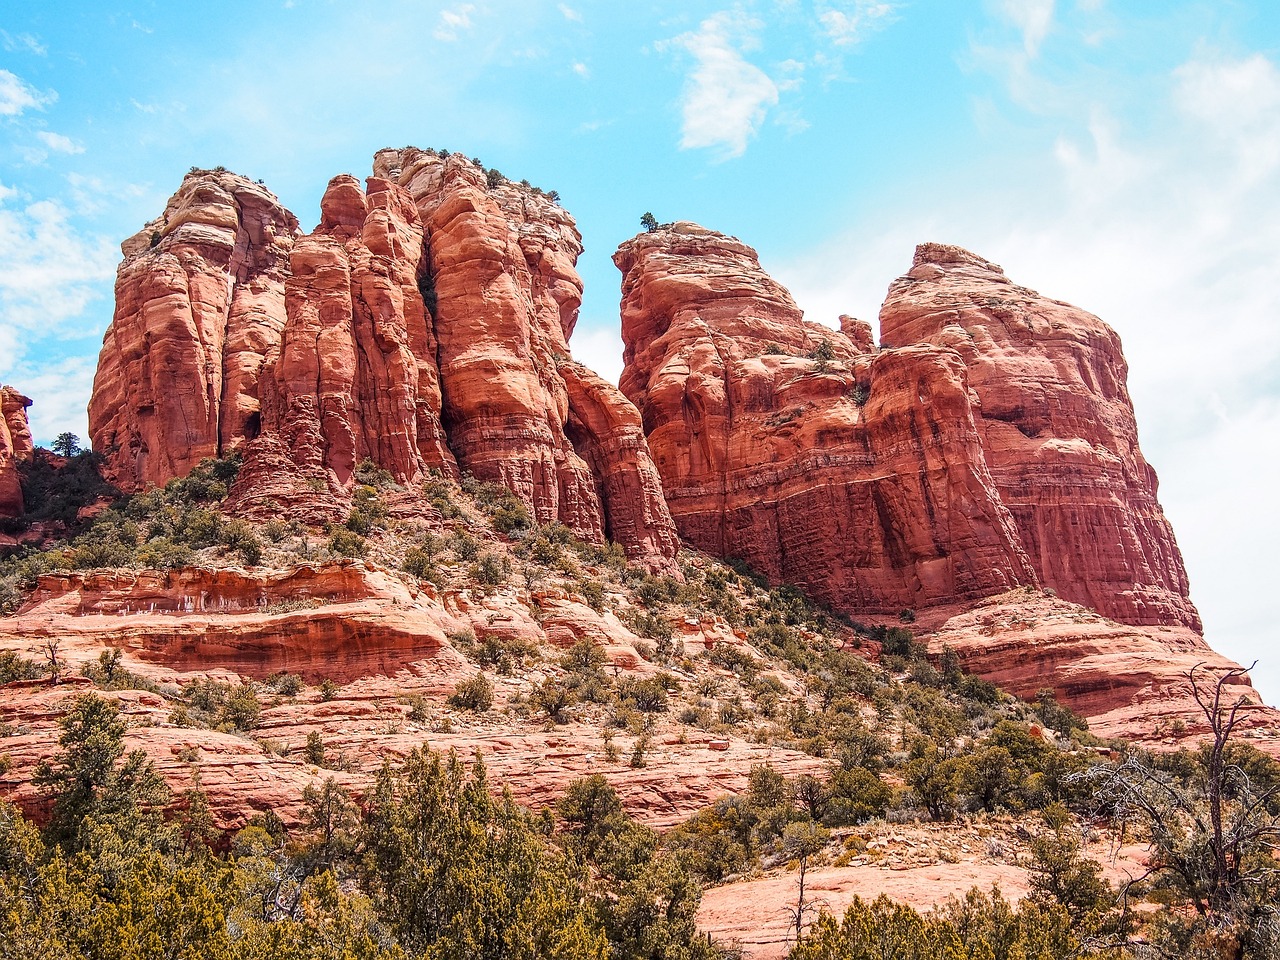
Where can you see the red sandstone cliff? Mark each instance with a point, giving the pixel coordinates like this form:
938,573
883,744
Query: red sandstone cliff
424,325
1058,429
15,446
993,443
857,475
199,309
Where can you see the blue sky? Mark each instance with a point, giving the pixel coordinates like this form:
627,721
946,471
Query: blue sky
1123,156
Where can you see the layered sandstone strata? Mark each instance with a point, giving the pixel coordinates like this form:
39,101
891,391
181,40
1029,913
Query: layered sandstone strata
1058,431
15,447
989,442
199,310
517,409
423,325
799,449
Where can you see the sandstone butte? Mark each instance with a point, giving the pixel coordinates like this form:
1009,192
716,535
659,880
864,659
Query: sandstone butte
423,324
15,447
989,443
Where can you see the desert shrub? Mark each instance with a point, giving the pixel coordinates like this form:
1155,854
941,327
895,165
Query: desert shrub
14,667
474,694
855,796
420,562
241,708
347,543
491,570
369,474
648,695
553,698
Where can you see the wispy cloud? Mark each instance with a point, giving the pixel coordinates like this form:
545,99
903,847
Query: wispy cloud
569,13
726,97
1238,101
58,143
16,95
454,22
1033,18
23,43
582,70
847,23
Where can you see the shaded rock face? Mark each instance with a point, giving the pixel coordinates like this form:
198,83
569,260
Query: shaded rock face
857,475
199,310
518,411
423,325
15,447
1058,431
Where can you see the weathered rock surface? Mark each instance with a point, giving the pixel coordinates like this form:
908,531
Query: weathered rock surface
199,310
857,475
518,411
1058,431
1130,682
15,446
422,325
384,643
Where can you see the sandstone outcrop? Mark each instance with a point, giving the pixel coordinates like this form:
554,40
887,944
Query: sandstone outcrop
1058,431
199,310
383,645
1131,682
518,410
857,475
989,442
423,325
15,446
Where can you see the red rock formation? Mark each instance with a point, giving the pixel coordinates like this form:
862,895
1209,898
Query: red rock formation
1058,429
199,308
422,325
15,447
1131,682
506,301
355,376
857,475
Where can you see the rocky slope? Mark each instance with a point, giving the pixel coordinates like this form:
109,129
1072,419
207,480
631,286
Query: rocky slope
15,446
1058,432
422,325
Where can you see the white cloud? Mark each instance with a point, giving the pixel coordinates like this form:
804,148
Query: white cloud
849,23
726,97
600,348
570,14
1033,17
61,391
49,272
582,70
23,42
58,143
16,95
454,22
1238,103
1173,247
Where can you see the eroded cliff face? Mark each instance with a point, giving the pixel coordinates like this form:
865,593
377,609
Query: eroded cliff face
1058,430
992,442
501,262
855,474
15,447
199,311
422,325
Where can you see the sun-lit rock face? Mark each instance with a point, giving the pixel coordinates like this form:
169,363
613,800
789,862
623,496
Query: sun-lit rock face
855,474
199,310
15,447
989,442
422,325
1058,430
